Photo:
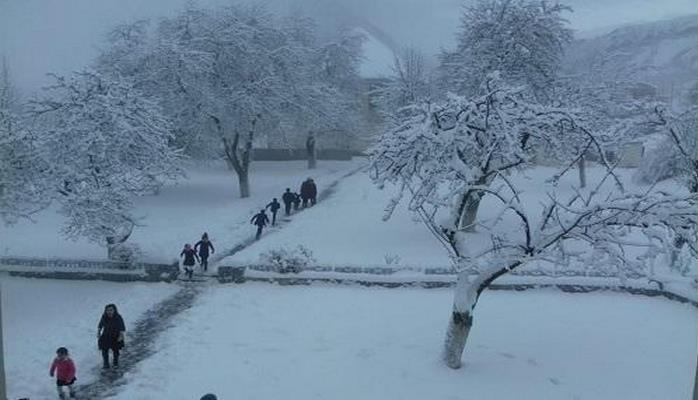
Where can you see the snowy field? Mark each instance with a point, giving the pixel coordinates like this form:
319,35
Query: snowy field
258,341
348,229
207,201
41,315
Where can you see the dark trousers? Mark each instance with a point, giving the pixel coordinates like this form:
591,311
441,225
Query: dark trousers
105,357
273,218
312,201
305,202
204,261
259,232
288,208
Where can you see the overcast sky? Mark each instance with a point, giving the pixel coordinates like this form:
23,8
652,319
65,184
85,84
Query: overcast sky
40,36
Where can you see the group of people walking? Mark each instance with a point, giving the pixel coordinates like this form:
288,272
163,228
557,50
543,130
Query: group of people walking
111,332
199,253
292,200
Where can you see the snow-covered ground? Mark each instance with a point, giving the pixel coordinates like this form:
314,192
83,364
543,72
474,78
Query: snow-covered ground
207,201
40,315
348,229
259,341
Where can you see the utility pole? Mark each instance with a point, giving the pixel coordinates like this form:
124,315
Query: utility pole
3,388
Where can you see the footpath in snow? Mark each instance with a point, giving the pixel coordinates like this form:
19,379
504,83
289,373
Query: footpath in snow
206,201
260,341
40,315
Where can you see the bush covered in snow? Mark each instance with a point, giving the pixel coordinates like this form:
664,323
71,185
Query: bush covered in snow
285,260
127,254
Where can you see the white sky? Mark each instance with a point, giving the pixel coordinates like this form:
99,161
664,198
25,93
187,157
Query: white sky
40,36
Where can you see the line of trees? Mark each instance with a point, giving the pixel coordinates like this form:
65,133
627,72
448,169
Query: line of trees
205,83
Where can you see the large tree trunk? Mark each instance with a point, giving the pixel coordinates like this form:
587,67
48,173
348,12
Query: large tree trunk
581,164
461,321
310,148
239,159
456,337
244,184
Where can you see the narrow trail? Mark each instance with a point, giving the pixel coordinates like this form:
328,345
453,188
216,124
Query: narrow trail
140,341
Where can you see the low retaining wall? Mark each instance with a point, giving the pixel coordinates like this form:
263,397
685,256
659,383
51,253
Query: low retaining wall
54,268
300,154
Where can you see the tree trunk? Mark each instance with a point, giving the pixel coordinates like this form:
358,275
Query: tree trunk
113,242
581,164
468,212
239,159
312,154
456,337
244,184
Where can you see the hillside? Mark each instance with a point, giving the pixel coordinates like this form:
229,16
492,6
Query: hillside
663,53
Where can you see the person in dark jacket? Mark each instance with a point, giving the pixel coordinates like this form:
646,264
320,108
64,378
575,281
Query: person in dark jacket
274,207
190,259
261,221
296,201
312,191
110,334
203,246
288,198
308,192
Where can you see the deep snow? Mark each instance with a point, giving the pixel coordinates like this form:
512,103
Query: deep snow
259,341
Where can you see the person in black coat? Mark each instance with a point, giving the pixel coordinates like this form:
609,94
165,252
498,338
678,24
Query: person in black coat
261,221
296,201
203,246
274,207
110,334
190,259
308,192
288,198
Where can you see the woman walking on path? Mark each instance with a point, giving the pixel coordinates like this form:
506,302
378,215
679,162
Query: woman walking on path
203,246
110,334
190,259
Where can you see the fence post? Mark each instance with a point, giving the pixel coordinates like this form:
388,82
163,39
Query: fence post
3,389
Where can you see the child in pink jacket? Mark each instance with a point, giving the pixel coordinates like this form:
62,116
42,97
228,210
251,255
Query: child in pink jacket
64,370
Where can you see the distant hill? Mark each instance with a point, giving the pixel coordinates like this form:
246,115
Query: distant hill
662,53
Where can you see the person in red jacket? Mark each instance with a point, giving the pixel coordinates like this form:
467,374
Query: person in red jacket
64,369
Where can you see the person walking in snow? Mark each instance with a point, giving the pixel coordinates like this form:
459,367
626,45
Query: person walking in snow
203,246
190,259
64,370
260,220
274,207
296,201
288,198
110,334
308,192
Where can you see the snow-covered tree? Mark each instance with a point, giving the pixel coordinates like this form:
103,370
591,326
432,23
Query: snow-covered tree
467,150
523,39
104,144
21,182
410,84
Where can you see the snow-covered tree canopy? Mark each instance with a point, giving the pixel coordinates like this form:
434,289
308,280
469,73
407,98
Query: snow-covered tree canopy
21,185
235,76
451,157
103,144
522,39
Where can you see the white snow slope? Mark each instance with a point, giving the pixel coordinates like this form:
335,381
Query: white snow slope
207,201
